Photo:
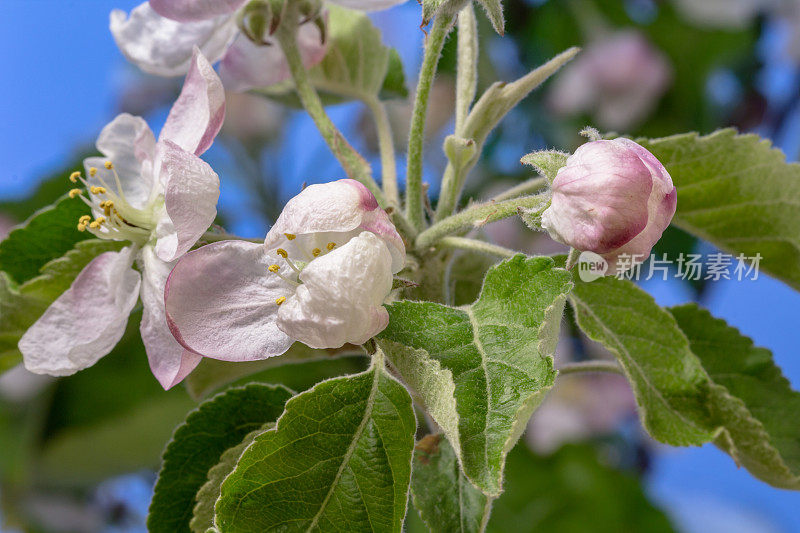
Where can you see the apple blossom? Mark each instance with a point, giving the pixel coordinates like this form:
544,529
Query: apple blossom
613,198
618,79
320,278
158,37
160,197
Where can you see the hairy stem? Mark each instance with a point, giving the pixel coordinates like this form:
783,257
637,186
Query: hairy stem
474,245
442,25
532,186
355,166
590,366
386,148
467,67
477,216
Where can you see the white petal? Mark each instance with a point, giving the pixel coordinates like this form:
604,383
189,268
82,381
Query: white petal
192,10
87,320
191,191
247,65
334,212
127,142
169,361
220,302
196,116
341,296
162,46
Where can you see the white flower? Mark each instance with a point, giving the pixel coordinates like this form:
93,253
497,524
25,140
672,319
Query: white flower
320,278
158,196
158,36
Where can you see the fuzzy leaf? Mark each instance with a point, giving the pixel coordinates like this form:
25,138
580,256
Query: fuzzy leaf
482,369
739,193
215,426
338,459
752,399
546,162
446,500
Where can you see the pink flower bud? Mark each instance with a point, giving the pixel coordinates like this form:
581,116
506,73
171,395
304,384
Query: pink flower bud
613,198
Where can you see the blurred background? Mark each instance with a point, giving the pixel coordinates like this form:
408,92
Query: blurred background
81,453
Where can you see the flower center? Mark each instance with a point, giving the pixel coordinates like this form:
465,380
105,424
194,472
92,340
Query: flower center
119,219
292,274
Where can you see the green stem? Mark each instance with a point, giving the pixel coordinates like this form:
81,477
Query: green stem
433,49
386,148
477,216
473,245
467,67
355,166
532,186
590,366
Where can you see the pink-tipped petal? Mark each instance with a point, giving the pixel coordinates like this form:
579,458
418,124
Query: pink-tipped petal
247,65
196,116
340,300
87,320
164,47
194,10
127,142
221,302
335,212
169,361
191,191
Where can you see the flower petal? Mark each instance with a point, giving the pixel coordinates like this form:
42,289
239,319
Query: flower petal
169,361
196,116
191,191
127,142
87,320
334,212
247,65
194,10
340,299
368,5
220,302
164,47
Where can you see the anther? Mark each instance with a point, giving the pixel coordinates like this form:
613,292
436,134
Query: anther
84,219
331,246
274,268
98,190
81,227
74,192
280,300
74,176
92,171
281,252
109,165
290,236
315,252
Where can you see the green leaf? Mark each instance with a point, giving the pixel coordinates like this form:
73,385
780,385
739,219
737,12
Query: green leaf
211,374
482,369
572,491
357,65
217,425
752,399
494,10
446,500
207,496
739,193
672,389
21,306
48,234
339,459
546,162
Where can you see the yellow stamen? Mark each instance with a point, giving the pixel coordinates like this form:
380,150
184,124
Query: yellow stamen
74,176
74,192
331,246
280,300
109,165
273,268
290,236
100,220
98,190
84,219
94,225
315,252
92,171
281,252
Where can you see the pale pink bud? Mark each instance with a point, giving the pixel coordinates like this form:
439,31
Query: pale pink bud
613,198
